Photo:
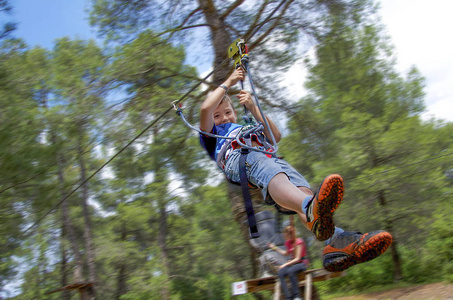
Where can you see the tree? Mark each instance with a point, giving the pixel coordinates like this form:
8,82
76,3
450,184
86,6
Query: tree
153,239
77,77
361,119
66,88
153,74
22,154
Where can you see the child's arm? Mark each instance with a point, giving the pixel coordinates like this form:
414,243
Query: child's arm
275,248
297,257
212,101
246,99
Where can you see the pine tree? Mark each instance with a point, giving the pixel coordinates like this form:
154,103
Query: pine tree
362,119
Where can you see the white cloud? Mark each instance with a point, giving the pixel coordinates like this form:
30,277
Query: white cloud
294,81
296,76
420,31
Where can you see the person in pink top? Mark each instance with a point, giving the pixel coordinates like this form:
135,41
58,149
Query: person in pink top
298,262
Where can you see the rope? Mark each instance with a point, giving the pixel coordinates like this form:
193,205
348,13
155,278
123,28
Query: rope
244,131
274,142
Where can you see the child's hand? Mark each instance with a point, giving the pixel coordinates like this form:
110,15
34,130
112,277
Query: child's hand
246,99
237,75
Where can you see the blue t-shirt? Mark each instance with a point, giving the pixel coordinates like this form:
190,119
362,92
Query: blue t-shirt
217,147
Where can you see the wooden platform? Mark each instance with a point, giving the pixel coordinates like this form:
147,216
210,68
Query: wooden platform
272,283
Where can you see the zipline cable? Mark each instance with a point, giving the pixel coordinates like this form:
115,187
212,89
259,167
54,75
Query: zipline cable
36,223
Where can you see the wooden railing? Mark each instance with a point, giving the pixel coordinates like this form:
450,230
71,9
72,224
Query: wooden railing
272,283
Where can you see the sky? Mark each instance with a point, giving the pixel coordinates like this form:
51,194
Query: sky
419,31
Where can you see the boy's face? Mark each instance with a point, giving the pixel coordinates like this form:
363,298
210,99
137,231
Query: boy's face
224,113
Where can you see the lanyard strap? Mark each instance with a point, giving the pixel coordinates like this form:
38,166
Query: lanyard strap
246,194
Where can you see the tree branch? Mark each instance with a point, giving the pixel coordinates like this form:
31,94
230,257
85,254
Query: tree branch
231,8
174,30
252,27
192,13
273,26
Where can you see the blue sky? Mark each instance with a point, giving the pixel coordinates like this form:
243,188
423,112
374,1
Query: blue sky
43,21
419,29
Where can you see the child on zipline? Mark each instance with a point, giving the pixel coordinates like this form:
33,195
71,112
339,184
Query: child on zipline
281,183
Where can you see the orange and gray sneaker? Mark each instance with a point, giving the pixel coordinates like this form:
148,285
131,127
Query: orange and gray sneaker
350,248
319,210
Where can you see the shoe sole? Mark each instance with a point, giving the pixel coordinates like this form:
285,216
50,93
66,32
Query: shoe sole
370,249
329,197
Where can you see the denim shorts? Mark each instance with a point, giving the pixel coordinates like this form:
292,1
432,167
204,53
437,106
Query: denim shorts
260,170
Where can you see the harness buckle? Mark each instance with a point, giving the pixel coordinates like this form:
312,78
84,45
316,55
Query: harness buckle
177,106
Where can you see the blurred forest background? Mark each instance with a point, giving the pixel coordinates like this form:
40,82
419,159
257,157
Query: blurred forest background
101,182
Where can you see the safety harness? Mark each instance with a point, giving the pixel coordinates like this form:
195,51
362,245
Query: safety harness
238,52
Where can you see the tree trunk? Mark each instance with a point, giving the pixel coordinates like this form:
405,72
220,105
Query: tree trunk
162,242
221,40
397,272
64,261
67,230
219,37
78,277
162,198
87,232
122,271
41,264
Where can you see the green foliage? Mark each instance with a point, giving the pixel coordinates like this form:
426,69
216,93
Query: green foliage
214,242
362,120
440,242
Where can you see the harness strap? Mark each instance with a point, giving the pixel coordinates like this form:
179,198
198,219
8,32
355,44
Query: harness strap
246,194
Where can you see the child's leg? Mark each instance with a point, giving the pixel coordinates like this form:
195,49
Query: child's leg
345,248
315,211
287,194
273,176
282,273
302,216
